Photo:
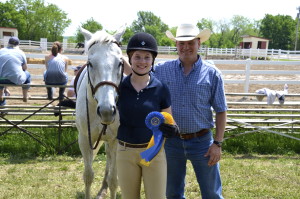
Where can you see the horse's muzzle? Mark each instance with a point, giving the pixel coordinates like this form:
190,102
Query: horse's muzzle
107,114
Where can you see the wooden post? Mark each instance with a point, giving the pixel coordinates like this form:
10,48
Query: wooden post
247,75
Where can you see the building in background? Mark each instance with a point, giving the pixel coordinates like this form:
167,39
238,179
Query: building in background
10,32
253,42
6,33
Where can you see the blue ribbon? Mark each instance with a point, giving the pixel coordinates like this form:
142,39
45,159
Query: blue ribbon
153,120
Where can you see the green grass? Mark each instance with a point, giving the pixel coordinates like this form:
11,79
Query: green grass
258,165
244,177
18,144
262,143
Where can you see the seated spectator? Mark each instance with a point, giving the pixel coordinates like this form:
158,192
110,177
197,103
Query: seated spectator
56,70
71,92
13,69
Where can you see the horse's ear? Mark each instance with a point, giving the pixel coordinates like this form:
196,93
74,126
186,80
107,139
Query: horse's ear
87,34
119,34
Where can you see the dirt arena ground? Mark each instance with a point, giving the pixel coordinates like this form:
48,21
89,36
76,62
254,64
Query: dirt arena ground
229,88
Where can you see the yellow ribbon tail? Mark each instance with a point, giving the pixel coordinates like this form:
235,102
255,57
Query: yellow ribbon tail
145,163
150,144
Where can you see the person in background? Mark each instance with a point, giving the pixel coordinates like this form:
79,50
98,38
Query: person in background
196,87
13,69
140,94
56,70
71,90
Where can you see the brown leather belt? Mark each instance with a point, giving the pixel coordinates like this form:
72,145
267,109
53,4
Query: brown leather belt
125,144
187,136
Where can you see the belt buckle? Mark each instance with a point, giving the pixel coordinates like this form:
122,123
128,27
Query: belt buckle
181,136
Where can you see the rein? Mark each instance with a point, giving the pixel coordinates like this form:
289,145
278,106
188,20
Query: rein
103,131
94,89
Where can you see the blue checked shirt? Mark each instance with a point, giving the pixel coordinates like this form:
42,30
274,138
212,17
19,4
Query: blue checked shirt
193,96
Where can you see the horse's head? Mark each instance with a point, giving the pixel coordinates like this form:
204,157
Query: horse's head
104,70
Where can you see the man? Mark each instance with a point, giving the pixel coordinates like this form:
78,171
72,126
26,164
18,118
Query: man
196,88
13,68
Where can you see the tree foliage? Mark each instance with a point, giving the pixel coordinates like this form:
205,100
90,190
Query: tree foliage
90,25
148,22
34,19
10,17
280,29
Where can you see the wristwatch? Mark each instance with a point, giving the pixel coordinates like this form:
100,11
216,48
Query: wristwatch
219,144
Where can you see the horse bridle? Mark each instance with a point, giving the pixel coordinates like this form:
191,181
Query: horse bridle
94,89
102,83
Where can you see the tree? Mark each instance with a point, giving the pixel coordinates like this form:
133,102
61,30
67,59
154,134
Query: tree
34,19
208,24
90,25
241,26
126,36
148,22
9,16
280,29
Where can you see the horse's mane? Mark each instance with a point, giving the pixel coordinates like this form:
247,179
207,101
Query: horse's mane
100,37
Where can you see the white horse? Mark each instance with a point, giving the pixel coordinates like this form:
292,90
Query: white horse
97,93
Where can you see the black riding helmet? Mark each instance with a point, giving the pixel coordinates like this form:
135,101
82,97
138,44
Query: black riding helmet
142,41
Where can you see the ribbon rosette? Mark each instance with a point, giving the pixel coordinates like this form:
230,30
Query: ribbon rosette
153,120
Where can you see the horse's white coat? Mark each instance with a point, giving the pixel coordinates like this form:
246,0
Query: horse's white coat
105,58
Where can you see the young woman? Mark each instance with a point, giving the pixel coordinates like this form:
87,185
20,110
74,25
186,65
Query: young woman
140,94
56,70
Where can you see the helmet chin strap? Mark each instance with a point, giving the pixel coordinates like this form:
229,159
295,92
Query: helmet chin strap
140,74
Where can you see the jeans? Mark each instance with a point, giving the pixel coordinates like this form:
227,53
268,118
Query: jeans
27,81
61,90
178,151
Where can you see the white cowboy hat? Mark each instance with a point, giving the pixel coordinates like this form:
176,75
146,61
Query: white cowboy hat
187,32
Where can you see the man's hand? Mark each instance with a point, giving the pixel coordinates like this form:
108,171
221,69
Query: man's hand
214,154
168,130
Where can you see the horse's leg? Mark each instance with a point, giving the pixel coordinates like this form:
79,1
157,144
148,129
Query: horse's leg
87,154
110,178
103,190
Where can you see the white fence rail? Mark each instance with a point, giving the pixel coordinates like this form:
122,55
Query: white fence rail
247,72
244,73
43,45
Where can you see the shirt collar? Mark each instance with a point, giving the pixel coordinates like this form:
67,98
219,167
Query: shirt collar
196,65
153,81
